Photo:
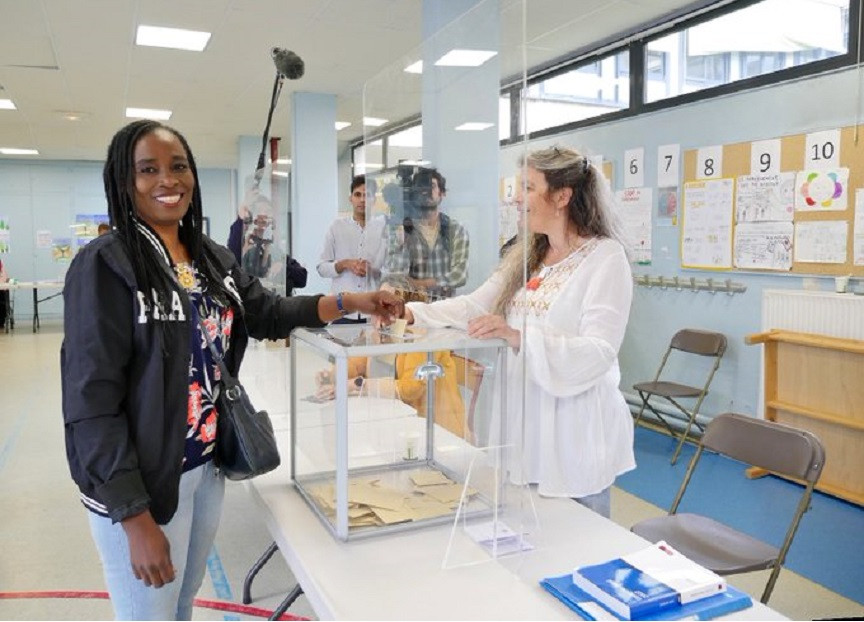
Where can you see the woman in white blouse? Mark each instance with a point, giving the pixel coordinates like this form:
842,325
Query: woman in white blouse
564,326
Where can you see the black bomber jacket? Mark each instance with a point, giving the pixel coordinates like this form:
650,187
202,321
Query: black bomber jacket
124,396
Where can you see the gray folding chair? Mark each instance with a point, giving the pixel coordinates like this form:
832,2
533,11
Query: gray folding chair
690,341
773,446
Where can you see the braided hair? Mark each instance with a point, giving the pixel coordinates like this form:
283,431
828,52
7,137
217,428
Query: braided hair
118,176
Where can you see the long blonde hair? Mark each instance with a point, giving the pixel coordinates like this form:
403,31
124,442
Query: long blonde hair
589,210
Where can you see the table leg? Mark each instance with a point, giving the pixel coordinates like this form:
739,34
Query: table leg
35,310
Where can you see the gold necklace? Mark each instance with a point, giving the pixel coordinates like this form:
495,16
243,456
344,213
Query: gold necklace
185,275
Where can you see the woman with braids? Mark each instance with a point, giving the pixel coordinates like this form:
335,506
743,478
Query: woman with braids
138,375
578,432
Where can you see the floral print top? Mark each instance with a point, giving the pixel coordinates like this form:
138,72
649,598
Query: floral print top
201,415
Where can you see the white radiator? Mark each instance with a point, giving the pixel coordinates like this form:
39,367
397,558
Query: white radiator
824,313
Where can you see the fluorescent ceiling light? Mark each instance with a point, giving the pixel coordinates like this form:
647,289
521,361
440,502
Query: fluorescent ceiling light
148,113
373,121
280,173
6,104
411,137
473,126
465,58
341,125
175,38
414,67
13,151
283,161
375,165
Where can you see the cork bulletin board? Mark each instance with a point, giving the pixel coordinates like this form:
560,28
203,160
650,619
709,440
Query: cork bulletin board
804,156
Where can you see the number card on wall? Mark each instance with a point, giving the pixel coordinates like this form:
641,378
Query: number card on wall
765,157
822,150
634,176
668,165
709,162
706,231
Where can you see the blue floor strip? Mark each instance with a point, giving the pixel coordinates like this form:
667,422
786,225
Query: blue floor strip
829,545
220,582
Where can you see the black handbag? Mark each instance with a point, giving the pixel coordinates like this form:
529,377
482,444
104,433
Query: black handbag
245,443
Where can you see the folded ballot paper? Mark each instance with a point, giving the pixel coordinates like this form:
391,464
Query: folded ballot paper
647,581
562,588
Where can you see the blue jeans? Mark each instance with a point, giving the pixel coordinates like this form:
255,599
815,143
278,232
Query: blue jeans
600,502
190,533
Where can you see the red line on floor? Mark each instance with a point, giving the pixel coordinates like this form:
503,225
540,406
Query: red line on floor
206,603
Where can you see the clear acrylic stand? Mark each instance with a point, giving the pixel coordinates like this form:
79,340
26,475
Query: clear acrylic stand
496,518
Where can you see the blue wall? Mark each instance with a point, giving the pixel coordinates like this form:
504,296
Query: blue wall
46,196
804,106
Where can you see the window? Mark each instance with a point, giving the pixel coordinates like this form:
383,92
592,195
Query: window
588,90
756,40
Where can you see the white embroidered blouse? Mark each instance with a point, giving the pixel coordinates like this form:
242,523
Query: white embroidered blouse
578,428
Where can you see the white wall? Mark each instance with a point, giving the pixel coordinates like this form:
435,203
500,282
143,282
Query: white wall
46,196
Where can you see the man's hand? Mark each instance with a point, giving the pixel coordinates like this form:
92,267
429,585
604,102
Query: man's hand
383,304
490,326
355,266
149,550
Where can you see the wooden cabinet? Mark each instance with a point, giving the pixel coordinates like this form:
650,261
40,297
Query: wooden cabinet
816,383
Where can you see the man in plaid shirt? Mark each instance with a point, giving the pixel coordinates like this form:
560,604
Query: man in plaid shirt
427,254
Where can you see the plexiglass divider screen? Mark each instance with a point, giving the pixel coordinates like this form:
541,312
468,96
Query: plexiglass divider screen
448,203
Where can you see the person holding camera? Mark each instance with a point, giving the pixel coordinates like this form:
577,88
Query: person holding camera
354,249
138,374
428,253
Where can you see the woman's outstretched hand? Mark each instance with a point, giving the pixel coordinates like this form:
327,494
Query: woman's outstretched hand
490,326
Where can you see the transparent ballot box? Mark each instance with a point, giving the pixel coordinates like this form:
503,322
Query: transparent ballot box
385,428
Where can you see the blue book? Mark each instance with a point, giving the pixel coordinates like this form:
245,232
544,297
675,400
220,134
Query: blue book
624,589
563,588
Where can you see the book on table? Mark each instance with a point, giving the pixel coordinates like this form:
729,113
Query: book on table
647,581
729,601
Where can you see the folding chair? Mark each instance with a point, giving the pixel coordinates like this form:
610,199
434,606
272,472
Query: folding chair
779,448
469,375
689,341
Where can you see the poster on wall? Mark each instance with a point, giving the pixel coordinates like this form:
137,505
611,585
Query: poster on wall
61,249
706,228
821,241
634,207
44,238
5,234
858,239
761,198
86,227
822,190
763,245
667,206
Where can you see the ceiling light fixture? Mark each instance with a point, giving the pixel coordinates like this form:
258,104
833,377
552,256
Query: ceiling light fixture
283,161
373,121
14,151
465,58
175,38
414,67
148,113
341,125
6,104
280,173
473,126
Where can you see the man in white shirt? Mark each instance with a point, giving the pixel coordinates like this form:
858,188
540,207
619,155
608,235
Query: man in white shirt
354,249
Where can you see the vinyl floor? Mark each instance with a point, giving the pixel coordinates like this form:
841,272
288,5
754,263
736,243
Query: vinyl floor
49,569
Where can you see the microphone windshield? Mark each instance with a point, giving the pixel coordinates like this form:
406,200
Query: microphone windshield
288,63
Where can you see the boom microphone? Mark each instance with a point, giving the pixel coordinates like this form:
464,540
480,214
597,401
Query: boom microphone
287,63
